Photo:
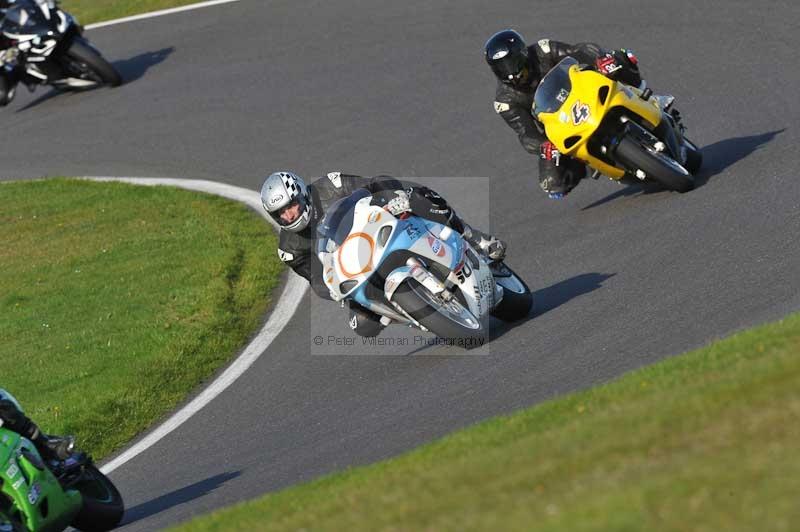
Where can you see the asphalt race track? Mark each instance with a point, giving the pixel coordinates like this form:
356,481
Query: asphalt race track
622,277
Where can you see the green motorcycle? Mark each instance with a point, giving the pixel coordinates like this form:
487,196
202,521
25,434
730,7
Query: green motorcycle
50,496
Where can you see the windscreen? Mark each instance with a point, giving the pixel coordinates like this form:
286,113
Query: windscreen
24,18
338,222
554,88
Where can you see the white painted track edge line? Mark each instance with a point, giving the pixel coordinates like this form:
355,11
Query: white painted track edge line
159,13
282,312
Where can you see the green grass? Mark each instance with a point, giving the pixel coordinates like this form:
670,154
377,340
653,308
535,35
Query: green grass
89,11
116,300
707,441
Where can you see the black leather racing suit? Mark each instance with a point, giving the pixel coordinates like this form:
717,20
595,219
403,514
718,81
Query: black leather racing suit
557,174
297,249
13,419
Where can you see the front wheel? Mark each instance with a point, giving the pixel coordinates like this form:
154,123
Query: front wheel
655,164
85,62
517,298
449,320
102,503
694,157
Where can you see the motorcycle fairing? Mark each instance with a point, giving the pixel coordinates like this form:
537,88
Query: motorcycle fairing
571,104
358,236
29,491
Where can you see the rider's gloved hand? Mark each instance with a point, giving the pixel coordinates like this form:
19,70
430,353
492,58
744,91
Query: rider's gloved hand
607,64
400,204
496,249
620,65
549,152
626,56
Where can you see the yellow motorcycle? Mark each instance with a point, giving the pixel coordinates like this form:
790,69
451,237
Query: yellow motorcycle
616,129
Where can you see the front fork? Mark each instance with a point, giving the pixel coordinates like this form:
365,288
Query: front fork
664,137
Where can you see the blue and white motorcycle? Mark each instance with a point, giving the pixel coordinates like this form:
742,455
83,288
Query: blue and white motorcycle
415,272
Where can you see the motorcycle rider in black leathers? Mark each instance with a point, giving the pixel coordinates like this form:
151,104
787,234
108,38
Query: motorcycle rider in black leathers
12,418
519,68
297,208
10,69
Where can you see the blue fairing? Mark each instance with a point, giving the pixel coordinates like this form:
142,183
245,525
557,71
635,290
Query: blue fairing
404,236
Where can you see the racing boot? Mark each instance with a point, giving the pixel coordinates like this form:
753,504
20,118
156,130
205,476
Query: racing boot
56,447
363,321
50,447
664,101
488,245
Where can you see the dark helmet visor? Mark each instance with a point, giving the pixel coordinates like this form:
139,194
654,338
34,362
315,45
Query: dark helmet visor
510,66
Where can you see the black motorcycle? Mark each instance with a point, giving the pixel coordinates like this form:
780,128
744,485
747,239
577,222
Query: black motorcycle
43,45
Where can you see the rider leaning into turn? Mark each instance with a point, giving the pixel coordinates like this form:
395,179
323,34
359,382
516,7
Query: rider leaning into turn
297,208
10,69
519,68
12,418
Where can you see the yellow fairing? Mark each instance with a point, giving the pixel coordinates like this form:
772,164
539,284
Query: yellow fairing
572,125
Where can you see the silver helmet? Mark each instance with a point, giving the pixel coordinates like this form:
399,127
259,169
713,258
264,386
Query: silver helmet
285,190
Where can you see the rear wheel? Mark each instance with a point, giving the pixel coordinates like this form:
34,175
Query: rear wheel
655,164
517,298
86,63
102,503
450,319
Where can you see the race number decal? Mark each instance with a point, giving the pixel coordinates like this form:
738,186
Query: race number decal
580,113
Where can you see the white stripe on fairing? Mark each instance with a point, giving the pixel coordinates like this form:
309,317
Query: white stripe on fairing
159,13
280,316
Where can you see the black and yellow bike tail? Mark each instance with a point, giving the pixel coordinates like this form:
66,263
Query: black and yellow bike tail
616,129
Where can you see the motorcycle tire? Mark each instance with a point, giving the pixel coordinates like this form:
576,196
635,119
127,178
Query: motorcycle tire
656,165
83,52
7,91
421,305
517,298
694,157
102,503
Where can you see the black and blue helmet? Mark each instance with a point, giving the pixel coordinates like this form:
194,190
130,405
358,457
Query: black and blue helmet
507,55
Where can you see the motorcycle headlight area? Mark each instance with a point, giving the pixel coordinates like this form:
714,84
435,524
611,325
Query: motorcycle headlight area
355,255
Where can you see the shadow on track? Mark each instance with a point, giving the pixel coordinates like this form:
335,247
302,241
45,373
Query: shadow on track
544,300
130,69
135,67
627,189
181,496
552,297
724,153
716,158
41,99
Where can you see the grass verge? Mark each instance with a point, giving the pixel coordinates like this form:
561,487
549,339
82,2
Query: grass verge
117,300
89,11
703,441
